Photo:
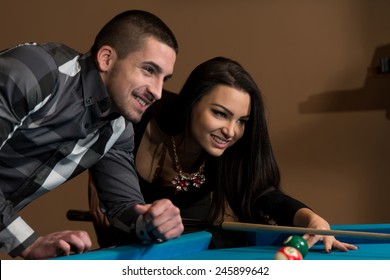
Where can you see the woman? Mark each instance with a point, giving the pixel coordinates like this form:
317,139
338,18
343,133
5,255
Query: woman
207,149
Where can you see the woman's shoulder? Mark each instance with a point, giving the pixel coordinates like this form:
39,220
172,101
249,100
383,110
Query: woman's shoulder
154,133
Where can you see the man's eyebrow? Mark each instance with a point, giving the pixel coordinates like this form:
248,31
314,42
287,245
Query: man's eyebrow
156,67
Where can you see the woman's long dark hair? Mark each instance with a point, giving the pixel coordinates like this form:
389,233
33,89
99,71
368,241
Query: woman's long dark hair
248,168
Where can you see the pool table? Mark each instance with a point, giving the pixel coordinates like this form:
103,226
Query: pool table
194,246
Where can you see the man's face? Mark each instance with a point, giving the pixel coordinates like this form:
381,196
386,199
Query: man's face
136,81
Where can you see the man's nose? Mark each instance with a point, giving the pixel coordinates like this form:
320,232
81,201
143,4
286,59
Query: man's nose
156,89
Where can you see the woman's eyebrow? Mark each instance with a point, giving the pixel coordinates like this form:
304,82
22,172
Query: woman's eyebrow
227,110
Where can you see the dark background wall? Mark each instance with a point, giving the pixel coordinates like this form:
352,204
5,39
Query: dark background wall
313,61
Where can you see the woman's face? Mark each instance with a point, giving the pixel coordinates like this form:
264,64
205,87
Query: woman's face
218,119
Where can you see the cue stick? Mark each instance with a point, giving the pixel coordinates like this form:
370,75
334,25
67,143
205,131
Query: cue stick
80,215
238,226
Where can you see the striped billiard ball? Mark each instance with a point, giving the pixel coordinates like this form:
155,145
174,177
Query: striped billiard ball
288,253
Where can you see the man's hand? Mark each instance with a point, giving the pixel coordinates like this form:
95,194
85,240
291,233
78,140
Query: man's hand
162,218
56,244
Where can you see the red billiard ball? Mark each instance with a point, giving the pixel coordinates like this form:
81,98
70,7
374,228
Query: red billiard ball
297,242
288,253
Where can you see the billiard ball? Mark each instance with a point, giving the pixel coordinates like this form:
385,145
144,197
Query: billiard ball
297,242
288,253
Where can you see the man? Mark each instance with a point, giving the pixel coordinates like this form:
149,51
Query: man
61,112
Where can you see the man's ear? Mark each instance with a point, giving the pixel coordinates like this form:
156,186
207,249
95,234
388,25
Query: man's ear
105,58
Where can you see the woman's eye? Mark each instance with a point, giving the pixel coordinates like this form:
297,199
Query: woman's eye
219,113
242,122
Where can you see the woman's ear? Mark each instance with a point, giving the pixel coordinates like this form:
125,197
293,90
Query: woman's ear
105,58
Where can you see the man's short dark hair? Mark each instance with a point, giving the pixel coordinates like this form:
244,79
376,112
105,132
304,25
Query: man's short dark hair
126,32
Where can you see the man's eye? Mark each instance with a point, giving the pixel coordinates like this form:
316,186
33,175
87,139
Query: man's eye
149,70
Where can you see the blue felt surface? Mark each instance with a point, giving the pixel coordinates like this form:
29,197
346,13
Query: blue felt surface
186,244
365,252
194,246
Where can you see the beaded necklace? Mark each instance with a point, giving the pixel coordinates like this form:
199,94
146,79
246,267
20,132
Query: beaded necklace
183,180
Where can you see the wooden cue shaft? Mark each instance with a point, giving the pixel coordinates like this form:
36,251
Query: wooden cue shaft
301,230
77,215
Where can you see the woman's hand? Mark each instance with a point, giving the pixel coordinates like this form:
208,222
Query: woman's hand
307,218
